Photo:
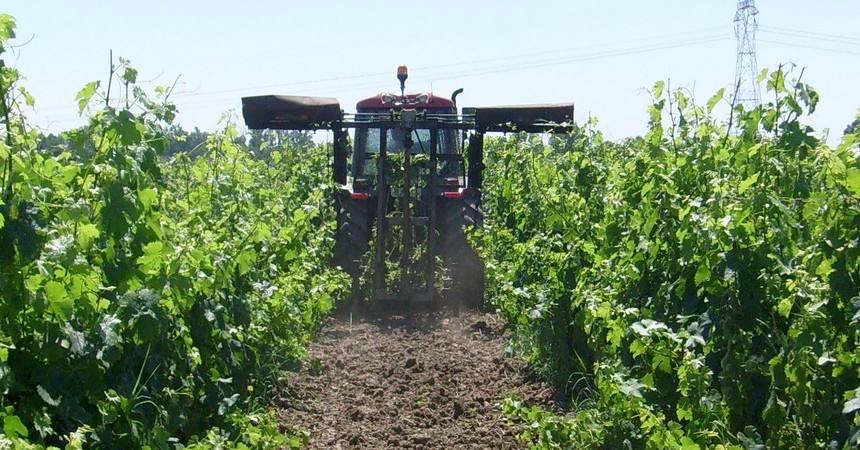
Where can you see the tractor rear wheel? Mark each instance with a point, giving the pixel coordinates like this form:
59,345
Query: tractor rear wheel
472,213
463,265
352,237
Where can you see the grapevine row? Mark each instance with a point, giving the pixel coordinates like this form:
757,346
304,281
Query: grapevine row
147,301
696,287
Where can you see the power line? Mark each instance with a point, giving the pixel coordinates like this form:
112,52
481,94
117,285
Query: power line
823,36
811,47
801,36
462,63
588,57
552,62
196,102
294,83
429,69
447,65
468,73
565,50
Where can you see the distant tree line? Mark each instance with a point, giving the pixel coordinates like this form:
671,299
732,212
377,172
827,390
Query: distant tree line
258,142
853,127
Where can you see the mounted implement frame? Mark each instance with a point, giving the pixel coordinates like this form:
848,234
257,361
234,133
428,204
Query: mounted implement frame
409,191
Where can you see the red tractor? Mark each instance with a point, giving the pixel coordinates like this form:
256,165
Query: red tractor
410,184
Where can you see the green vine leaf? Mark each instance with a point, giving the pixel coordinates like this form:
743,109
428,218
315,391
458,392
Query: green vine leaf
86,94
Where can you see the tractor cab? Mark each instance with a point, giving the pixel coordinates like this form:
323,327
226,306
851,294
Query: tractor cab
428,108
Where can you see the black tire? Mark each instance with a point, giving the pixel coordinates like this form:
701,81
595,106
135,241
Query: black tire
473,215
463,264
352,238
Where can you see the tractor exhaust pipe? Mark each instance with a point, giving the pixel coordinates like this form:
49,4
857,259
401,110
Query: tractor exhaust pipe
454,96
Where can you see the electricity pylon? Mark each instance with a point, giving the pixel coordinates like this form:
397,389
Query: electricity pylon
746,93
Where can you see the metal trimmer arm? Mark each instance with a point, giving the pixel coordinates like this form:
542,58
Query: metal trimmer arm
291,112
552,118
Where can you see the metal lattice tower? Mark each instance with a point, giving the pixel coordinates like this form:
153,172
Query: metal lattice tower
747,93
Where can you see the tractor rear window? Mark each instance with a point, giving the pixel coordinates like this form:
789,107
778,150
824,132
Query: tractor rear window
395,137
367,144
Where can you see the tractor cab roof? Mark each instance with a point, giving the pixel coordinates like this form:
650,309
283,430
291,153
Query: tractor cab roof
386,100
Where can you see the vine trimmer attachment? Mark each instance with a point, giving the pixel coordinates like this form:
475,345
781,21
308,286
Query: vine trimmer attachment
409,184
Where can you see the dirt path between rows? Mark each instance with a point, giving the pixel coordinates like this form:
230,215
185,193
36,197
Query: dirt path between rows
417,380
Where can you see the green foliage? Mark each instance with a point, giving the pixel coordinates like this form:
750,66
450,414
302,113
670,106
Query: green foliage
693,288
262,142
146,301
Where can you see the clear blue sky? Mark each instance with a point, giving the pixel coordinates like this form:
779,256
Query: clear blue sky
599,54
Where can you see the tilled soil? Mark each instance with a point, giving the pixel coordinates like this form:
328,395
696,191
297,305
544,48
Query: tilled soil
416,380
